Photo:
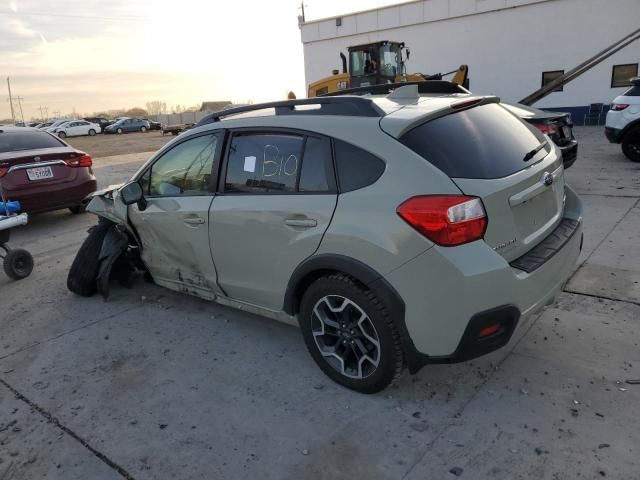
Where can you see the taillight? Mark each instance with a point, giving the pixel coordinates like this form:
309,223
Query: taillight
83,161
616,107
547,128
3,171
447,220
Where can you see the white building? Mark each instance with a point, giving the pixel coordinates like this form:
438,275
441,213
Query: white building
508,44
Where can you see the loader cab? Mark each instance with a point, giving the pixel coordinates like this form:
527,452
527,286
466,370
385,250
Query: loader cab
375,63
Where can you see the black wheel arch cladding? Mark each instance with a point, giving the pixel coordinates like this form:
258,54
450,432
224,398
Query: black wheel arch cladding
319,265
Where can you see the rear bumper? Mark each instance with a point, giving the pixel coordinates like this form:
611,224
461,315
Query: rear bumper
614,135
55,197
569,153
450,294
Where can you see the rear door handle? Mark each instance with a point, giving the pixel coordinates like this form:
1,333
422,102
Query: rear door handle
193,220
301,222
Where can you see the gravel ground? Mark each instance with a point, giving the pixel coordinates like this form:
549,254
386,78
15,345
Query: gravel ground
109,145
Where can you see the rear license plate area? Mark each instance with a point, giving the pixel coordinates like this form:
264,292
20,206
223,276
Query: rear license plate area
566,131
39,173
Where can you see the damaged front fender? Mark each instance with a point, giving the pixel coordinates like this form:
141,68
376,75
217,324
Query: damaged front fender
108,204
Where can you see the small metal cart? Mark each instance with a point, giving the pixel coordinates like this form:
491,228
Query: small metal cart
17,263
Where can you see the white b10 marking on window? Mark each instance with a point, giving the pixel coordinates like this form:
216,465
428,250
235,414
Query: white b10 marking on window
274,164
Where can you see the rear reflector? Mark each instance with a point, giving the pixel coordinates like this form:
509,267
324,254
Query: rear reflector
83,161
447,220
489,330
616,107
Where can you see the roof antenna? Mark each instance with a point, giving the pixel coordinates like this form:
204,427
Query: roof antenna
406,92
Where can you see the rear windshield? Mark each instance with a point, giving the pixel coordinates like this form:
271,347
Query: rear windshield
633,91
482,142
17,141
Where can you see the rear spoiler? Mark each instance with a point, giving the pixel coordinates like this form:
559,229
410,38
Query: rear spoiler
397,126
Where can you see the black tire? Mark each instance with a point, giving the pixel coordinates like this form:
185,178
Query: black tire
81,279
78,209
143,129
390,356
18,264
119,131
631,145
92,132
62,135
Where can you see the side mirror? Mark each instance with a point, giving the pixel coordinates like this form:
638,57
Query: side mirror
131,193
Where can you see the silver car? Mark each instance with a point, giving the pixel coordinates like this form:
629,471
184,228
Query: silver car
396,231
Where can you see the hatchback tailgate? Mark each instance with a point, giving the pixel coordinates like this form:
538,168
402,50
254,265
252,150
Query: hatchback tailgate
522,208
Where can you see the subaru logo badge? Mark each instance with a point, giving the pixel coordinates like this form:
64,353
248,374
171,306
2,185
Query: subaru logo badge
547,178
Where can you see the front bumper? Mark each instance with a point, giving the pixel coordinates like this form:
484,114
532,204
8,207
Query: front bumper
445,289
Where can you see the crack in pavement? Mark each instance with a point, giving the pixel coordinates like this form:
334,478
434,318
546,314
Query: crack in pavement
47,340
52,419
603,297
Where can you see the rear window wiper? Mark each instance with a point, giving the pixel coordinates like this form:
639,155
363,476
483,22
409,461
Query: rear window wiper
533,152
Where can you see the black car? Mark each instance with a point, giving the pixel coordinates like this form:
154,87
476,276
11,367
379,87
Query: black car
103,122
557,125
153,125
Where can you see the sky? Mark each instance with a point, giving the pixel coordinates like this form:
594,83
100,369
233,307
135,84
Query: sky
97,55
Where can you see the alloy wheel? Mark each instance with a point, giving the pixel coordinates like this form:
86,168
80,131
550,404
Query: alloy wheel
345,336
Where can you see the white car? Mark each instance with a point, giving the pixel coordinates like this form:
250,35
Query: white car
76,128
623,121
56,124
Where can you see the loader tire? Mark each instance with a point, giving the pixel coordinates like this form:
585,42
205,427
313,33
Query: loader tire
84,269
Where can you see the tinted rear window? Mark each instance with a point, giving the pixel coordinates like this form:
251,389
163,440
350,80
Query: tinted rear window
482,142
17,141
633,91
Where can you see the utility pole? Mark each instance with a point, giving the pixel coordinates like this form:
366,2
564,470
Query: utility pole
13,117
19,99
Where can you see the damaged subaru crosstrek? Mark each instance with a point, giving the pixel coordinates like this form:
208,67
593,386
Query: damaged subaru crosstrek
396,231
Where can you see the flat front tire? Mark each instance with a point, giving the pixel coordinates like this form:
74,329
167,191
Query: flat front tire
350,334
631,145
83,273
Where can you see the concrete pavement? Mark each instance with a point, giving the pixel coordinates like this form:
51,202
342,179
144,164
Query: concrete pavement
153,384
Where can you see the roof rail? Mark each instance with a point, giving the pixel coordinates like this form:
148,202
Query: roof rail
424,86
348,106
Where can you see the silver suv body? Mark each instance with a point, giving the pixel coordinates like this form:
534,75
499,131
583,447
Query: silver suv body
396,231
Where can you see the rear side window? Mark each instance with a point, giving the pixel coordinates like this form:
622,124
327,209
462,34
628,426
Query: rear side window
356,168
263,163
482,142
279,163
17,141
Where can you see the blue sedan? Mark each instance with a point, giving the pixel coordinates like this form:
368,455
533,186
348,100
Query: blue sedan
128,125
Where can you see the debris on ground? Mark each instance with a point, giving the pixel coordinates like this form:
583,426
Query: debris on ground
457,471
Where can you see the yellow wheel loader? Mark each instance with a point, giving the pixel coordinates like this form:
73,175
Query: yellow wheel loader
376,63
